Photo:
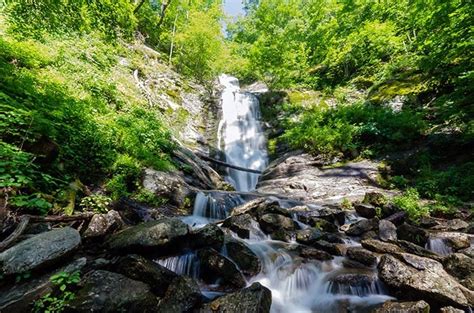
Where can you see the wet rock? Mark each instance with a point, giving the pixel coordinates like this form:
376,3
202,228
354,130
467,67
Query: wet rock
360,283
182,295
321,224
380,246
18,298
361,255
372,234
376,199
335,237
241,224
169,185
253,299
403,307
421,278
416,249
413,234
450,309
461,267
365,210
261,206
331,215
397,218
314,254
139,268
216,267
210,235
362,226
103,224
246,259
104,291
162,237
332,248
444,225
278,226
387,231
309,236
40,251
456,241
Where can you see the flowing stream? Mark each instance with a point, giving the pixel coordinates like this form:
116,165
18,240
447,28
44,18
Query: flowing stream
297,285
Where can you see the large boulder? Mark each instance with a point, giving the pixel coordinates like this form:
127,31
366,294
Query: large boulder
462,267
139,268
380,246
277,226
361,255
246,259
313,253
17,298
309,215
365,210
321,224
309,236
40,251
253,299
210,235
455,240
413,234
362,226
417,278
242,224
182,295
387,231
103,224
161,237
331,248
216,267
403,307
361,283
104,291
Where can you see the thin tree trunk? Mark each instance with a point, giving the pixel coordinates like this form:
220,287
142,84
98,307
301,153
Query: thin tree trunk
172,39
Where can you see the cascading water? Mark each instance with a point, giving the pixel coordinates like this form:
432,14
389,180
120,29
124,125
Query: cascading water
297,285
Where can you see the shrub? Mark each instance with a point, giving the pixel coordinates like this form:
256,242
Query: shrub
96,203
410,203
63,292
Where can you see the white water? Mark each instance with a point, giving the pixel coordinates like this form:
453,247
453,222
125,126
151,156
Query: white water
297,285
438,245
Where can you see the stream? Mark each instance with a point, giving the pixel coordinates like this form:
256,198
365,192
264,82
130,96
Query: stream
297,284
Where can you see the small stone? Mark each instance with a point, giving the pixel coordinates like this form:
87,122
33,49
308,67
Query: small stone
365,210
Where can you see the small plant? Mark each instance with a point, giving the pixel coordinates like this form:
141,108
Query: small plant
147,197
410,203
96,203
56,301
346,204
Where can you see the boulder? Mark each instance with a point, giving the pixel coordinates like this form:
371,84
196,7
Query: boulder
216,267
17,298
210,235
413,234
163,236
416,249
242,224
253,299
362,226
139,268
246,259
365,210
416,278
331,215
182,295
361,255
443,224
321,224
403,307
376,199
380,246
332,248
308,236
103,224
104,291
387,231
397,218
455,240
277,226
358,283
462,267
169,185
40,251
314,254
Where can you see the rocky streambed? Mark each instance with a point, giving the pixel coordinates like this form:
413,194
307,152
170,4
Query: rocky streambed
283,242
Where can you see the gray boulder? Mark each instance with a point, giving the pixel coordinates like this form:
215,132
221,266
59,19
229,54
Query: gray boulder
216,267
365,210
246,259
241,224
104,291
183,294
403,307
362,226
309,236
253,299
414,277
413,234
462,267
162,237
103,224
380,246
387,231
210,235
361,255
40,251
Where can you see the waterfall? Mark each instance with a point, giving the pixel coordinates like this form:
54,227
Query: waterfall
240,134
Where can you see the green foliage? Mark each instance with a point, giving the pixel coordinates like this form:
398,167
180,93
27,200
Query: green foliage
126,172
147,197
410,203
63,292
96,203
